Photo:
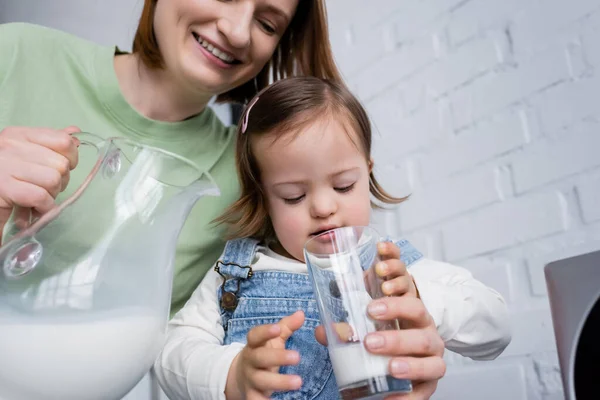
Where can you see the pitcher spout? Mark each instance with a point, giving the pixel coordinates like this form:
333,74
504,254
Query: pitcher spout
178,208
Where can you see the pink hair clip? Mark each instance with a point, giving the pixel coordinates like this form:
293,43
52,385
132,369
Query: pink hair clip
245,122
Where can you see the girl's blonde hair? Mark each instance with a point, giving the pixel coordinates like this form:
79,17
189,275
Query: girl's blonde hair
285,108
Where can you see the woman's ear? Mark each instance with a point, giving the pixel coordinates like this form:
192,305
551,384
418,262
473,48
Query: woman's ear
370,165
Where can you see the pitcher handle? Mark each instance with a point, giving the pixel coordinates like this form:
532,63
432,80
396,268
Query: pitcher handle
24,217
89,139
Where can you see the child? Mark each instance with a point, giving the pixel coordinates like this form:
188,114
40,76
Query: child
303,158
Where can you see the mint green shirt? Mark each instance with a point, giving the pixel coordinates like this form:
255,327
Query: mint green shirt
52,79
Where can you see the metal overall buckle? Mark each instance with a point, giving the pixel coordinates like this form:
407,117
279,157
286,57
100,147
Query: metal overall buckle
230,300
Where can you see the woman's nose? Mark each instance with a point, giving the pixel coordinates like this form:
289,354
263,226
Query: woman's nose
235,25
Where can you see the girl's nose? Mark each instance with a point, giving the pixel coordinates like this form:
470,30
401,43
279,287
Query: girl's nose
323,207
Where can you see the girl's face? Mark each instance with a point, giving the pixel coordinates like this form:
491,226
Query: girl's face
214,45
315,182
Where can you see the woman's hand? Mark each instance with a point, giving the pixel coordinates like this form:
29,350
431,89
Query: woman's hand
416,350
34,167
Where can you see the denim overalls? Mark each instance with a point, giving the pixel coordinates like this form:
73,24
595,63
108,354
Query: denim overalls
264,297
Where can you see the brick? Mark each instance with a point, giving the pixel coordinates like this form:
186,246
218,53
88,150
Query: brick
428,241
520,283
532,332
542,21
358,46
444,199
495,92
493,273
416,16
451,71
414,90
464,65
401,137
386,71
385,112
478,16
482,381
589,198
341,11
557,158
576,60
395,179
385,223
484,141
547,369
590,35
542,252
556,113
503,225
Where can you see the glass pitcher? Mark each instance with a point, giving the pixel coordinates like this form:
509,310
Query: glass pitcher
85,289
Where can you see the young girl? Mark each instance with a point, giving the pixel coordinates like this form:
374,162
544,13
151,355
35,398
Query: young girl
304,162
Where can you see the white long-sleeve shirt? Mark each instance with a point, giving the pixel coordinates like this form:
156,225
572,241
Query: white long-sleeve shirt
471,318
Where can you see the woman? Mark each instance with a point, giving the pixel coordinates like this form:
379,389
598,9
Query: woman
185,52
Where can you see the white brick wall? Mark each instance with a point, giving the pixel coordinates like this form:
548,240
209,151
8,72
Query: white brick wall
486,111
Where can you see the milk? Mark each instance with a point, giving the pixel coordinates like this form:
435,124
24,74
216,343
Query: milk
352,363
98,358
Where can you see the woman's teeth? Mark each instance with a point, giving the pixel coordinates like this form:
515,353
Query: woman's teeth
216,52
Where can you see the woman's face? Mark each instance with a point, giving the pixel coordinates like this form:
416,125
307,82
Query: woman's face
216,45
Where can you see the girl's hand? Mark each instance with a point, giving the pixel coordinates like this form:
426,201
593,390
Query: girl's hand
254,373
398,282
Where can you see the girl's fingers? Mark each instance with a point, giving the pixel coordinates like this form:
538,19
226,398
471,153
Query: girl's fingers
267,381
388,250
397,286
391,268
266,357
260,335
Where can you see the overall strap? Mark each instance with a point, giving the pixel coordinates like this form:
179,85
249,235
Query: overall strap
237,258
408,253
234,266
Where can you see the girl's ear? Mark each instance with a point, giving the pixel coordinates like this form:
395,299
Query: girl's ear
370,165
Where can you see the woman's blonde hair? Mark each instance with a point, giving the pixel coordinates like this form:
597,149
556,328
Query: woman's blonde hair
304,50
285,108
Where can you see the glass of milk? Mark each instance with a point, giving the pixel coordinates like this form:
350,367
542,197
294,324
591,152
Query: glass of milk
341,263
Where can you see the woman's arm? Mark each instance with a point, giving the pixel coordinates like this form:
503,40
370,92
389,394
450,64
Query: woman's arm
194,363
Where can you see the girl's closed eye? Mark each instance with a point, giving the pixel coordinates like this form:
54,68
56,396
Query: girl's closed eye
293,200
345,189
